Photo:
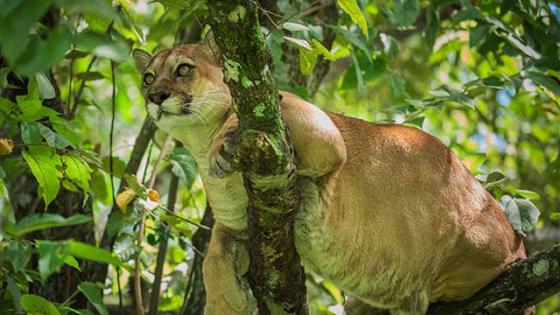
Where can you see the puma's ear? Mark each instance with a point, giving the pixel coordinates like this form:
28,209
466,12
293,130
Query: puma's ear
141,59
210,47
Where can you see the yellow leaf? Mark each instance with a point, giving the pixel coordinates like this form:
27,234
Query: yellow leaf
6,146
125,198
351,8
153,195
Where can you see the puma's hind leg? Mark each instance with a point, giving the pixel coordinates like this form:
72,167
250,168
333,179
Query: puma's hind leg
223,269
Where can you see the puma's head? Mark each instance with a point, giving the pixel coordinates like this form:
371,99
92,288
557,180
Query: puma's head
182,86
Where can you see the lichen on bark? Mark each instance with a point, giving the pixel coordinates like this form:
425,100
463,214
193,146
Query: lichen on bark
266,159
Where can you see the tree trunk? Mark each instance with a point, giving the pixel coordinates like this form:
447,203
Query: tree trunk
265,158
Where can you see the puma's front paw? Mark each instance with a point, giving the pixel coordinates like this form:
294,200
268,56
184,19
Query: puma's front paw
223,157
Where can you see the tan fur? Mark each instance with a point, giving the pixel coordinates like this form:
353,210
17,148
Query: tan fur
391,216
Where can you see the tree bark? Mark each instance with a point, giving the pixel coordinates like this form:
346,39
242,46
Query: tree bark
265,158
195,294
526,283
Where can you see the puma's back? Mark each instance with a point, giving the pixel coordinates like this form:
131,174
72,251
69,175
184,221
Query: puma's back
405,214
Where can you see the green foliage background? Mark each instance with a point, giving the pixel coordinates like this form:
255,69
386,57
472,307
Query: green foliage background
483,76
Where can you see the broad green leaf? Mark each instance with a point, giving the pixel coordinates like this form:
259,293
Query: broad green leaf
53,139
42,54
274,42
307,60
16,26
46,89
354,38
302,43
30,133
522,213
72,262
94,295
478,33
51,257
404,12
30,104
294,27
99,8
430,32
44,164
527,194
77,170
322,50
89,252
183,165
135,185
103,45
397,84
353,10
17,253
36,305
37,222
544,80
529,214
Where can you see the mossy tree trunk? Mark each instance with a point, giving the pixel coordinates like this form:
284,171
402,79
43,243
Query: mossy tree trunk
265,158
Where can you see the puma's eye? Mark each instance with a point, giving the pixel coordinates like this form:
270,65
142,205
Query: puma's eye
184,69
149,78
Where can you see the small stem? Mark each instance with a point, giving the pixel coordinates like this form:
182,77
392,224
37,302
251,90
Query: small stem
140,235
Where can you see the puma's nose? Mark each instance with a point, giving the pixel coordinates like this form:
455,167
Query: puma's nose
158,97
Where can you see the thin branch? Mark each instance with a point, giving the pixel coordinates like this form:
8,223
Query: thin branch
162,250
140,233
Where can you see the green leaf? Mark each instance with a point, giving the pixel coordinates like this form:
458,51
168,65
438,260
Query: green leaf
30,133
294,27
397,84
478,33
135,185
522,213
36,305
432,24
183,165
527,194
274,42
18,254
77,170
322,50
53,139
42,54
529,214
100,8
30,104
102,45
51,257
353,10
89,252
355,39
37,222
307,60
359,75
46,89
93,294
44,164
404,12
544,80
17,25
72,262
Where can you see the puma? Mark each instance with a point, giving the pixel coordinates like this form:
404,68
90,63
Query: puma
390,215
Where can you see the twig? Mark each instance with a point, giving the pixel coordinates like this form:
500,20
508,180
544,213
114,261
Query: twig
140,233
162,250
